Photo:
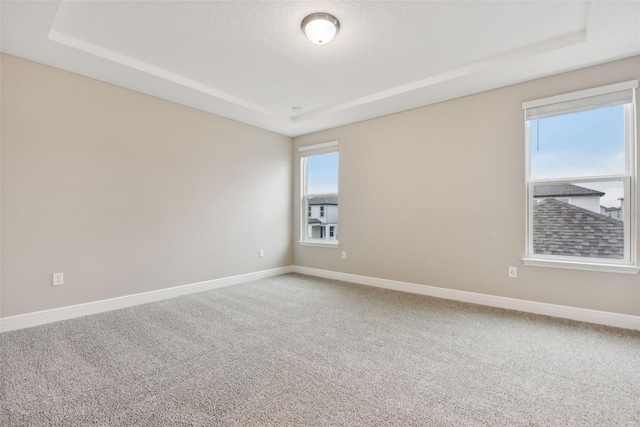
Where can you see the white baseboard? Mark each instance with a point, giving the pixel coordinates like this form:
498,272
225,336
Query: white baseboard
582,314
585,315
63,313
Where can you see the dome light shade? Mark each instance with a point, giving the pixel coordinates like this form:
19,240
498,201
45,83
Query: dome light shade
320,27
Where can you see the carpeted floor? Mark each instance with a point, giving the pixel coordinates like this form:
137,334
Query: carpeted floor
297,350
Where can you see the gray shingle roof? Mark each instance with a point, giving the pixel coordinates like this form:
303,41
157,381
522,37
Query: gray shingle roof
541,190
323,200
563,229
314,221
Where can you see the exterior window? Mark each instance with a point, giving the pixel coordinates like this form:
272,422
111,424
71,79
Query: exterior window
319,193
580,163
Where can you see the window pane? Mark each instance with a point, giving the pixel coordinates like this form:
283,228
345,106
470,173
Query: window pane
581,220
321,198
322,174
587,143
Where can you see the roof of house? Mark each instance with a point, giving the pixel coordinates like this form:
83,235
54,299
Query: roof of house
323,200
558,190
563,229
313,221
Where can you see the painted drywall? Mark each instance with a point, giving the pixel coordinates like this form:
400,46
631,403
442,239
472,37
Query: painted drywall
126,193
1,61
436,196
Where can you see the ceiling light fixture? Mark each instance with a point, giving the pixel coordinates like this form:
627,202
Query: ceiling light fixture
320,27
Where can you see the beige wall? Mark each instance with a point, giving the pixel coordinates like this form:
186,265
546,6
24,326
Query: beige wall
435,196
126,193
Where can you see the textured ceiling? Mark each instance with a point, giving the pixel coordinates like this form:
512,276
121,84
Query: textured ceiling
251,62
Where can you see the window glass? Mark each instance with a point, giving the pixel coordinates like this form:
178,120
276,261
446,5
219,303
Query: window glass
320,192
578,226
575,145
322,174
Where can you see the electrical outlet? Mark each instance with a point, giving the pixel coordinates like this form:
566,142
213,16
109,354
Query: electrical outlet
261,253
344,254
58,279
513,272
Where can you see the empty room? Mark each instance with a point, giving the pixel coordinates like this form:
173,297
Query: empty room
310,213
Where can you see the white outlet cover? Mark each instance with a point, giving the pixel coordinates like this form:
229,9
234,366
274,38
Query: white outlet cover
58,279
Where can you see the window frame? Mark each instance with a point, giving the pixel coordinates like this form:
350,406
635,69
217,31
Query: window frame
331,146
627,265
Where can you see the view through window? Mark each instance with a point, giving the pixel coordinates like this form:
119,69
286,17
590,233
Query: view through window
319,165
579,177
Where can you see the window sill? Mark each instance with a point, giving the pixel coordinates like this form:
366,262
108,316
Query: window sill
320,244
586,266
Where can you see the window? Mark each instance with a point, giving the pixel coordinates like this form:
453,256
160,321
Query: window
319,193
581,157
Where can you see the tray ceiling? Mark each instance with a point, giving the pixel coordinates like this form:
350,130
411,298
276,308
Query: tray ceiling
250,61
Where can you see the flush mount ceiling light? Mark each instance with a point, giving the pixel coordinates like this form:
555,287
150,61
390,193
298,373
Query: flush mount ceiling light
320,27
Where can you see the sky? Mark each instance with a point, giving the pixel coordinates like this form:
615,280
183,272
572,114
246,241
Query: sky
322,172
588,143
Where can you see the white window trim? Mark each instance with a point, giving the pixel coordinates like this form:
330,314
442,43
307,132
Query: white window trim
320,243
616,87
626,266
576,265
315,149
318,147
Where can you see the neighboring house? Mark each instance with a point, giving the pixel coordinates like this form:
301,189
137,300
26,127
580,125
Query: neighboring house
322,217
615,213
578,196
560,228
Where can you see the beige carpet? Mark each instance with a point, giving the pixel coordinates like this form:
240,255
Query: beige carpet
297,350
